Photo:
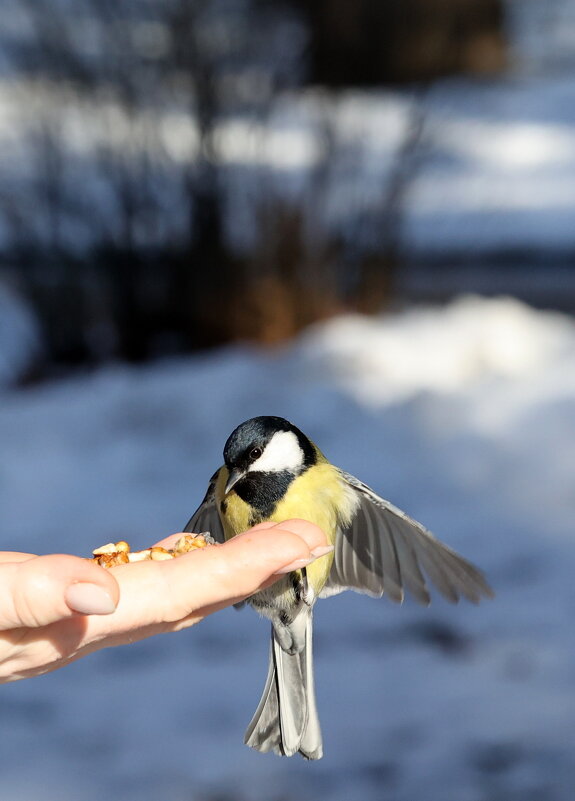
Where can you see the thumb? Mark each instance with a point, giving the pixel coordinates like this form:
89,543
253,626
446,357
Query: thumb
44,589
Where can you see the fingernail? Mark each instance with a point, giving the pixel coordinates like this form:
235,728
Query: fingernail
321,550
298,564
89,599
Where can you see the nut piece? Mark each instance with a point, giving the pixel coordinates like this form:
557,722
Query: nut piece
183,545
158,554
109,548
189,542
119,553
112,559
139,556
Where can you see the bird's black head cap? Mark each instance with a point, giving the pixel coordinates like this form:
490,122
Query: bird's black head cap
256,433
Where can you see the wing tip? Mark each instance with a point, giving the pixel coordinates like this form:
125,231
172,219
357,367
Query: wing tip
475,595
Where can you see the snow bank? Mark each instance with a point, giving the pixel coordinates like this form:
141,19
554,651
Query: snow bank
463,416
444,351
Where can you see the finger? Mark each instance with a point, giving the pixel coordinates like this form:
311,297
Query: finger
231,571
261,527
15,556
45,589
312,535
302,528
170,541
166,592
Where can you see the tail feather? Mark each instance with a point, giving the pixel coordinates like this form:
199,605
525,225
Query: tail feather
286,720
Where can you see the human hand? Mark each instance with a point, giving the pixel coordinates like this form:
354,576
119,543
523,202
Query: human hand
57,608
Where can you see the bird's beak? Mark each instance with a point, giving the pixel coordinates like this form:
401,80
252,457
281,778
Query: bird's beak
234,477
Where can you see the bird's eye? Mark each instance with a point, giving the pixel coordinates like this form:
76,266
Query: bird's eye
255,453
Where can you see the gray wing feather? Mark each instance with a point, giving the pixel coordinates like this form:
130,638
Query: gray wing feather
384,550
206,516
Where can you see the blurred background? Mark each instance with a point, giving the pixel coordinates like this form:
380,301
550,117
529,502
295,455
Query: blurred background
360,216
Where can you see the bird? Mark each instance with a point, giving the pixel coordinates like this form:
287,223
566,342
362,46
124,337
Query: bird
273,472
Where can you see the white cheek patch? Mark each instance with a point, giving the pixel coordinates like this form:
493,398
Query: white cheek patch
282,452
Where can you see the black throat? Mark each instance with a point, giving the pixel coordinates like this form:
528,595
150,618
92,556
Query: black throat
263,493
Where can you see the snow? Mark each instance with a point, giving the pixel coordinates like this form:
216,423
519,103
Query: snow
493,171
462,415
498,166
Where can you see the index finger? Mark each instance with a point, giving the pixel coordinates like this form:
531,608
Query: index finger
184,589
15,556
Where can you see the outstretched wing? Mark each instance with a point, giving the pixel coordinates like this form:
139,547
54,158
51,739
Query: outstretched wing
206,517
385,551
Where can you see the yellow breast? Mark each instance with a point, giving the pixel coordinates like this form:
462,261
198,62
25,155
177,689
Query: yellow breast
318,495
234,513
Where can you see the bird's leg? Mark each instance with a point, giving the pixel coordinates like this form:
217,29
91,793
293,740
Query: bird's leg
304,593
289,626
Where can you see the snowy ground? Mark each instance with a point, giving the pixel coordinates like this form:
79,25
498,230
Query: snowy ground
464,417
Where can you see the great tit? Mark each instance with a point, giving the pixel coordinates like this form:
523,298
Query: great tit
273,472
